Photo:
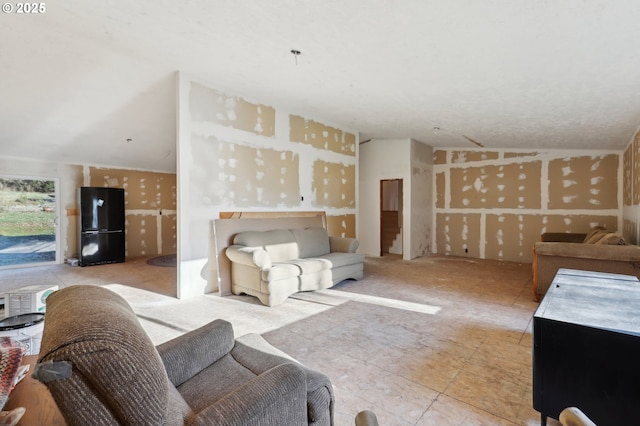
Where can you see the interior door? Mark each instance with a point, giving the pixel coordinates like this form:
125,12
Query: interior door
391,216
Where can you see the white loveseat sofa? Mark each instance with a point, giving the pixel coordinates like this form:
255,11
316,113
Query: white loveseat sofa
272,265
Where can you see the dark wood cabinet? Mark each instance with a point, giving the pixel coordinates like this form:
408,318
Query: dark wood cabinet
586,347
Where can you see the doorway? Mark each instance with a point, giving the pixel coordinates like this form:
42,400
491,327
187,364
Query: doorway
28,222
391,217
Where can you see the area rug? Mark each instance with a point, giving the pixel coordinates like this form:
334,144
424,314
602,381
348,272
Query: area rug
166,260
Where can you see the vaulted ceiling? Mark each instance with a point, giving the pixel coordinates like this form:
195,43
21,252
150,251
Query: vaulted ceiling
93,81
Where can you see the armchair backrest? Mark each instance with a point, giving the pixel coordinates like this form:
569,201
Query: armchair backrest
116,375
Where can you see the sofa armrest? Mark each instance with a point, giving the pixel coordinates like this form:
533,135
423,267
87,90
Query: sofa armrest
343,245
621,253
186,355
250,256
278,396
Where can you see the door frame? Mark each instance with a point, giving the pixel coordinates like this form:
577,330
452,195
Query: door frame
400,211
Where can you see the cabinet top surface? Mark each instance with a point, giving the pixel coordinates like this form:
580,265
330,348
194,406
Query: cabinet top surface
593,299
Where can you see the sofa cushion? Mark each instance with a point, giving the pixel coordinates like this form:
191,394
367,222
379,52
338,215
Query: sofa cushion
219,379
341,259
611,239
595,234
294,268
312,242
279,243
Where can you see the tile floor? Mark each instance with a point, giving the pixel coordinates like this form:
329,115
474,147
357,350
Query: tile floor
434,341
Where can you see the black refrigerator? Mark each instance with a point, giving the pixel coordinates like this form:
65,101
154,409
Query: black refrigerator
101,225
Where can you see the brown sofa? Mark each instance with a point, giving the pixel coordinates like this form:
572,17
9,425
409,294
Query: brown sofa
102,369
609,253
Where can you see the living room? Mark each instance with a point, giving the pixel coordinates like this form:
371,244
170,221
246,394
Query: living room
538,138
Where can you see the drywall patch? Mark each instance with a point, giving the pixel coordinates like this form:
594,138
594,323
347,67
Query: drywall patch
209,105
321,136
342,225
519,154
439,157
168,236
234,175
440,190
471,156
143,190
334,184
627,171
511,237
142,235
107,178
514,185
349,144
458,234
584,182
576,223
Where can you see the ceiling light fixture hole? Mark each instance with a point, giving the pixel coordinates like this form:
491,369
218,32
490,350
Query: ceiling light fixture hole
296,53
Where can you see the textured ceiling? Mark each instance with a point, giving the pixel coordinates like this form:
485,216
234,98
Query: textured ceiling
83,77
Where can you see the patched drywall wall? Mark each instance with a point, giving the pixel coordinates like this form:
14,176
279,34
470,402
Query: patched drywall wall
495,204
321,136
236,154
514,186
458,234
150,208
584,182
150,203
208,105
334,184
242,176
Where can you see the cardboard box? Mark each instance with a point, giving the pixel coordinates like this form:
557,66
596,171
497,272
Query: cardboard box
27,300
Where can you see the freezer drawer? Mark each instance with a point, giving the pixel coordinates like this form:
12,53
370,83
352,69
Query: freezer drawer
101,247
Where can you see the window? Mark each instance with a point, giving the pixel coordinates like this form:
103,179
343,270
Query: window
28,221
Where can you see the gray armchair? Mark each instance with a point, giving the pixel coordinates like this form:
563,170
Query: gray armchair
102,369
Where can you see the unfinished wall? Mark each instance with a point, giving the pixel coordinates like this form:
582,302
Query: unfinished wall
236,154
631,190
150,203
495,204
411,161
421,201
150,208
